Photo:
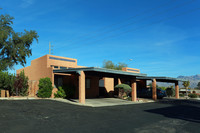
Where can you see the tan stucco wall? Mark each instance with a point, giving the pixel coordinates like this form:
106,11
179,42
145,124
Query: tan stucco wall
38,69
93,91
41,68
109,84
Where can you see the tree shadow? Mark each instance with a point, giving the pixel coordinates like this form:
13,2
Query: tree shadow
180,109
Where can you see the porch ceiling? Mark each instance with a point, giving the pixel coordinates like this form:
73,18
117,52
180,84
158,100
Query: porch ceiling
161,79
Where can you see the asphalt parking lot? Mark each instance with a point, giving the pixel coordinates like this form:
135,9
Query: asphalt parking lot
168,116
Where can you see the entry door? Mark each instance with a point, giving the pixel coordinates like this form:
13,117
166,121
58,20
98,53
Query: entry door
101,88
101,91
60,81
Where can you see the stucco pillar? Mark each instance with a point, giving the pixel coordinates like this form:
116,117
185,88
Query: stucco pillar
52,79
154,92
3,93
7,93
82,87
134,90
177,90
119,81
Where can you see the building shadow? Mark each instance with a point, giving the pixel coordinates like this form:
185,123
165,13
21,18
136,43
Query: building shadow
181,109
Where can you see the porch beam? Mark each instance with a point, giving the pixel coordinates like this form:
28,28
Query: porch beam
119,81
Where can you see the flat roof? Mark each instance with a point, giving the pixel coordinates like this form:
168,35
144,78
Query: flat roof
100,70
161,79
113,73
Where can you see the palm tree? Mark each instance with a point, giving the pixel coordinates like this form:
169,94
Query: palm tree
186,84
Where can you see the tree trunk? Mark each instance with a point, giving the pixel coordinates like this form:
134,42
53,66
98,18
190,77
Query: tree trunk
187,91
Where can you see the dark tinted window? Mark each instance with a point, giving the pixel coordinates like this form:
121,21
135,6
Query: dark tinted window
55,66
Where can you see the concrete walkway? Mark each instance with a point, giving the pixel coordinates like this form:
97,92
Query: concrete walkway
99,102
94,102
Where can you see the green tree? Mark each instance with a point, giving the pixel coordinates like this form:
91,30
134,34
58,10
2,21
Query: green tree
170,91
150,85
186,84
7,81
14,46
110,65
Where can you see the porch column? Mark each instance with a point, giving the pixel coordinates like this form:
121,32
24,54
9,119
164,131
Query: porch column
52,79
3,93
119,81
177,90
134,90
82,87
154,94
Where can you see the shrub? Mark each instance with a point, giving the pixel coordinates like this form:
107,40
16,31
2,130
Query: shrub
60,93
170,92
163,88
20,85
123,90
45,88
125,87
69,91
193,95
181,95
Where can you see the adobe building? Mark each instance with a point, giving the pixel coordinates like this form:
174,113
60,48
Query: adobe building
88,82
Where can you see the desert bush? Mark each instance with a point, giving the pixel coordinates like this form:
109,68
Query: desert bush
123,90
60,93
193,95
20,85
45,88
181,95
125,87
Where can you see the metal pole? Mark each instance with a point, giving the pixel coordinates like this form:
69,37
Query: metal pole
49,48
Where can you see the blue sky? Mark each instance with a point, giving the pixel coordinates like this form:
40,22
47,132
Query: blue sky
161,36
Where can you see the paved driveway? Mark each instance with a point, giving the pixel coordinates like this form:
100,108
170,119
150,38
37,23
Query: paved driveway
39,116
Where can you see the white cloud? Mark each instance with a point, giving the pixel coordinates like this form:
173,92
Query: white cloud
26,3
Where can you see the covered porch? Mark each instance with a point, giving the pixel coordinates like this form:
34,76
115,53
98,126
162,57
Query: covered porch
96,74
80,76
154,80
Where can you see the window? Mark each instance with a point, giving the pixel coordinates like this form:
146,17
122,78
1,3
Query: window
63,67
61,59
55,66
101,83
87,83
60,81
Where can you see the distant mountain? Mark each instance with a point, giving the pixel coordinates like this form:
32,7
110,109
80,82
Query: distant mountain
194,80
